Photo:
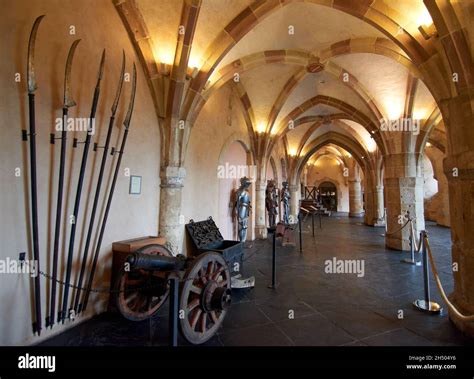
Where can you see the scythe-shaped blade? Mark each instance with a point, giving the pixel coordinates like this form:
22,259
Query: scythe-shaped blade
119,89
68,99
128,117
31,56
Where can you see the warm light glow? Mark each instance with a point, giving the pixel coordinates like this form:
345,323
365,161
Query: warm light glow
428,144
195,61
424,18
293,152
261,127
419,114
394,109
165,56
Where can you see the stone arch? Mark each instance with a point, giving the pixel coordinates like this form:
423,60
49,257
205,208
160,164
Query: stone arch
227,185
274,169
336,184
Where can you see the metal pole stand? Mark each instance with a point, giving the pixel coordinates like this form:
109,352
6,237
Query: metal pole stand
299,227
173,311
312,221
412,260
426,305
274,284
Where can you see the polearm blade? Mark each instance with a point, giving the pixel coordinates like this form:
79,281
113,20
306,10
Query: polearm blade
77,201
31,56
126,123
68,102
37,324
77,306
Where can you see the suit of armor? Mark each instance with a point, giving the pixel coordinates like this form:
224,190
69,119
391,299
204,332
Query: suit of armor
271,202
285,199
243,207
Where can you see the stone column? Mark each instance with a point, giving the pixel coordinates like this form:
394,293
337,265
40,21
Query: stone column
461,192
355,198
259,209
370,205
295,191
171,224
404,190
380,221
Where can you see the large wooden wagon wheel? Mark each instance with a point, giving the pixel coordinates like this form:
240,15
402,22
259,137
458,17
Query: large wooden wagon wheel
141,293
205,297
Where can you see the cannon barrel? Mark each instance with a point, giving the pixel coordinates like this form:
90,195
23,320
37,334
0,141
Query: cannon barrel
150,262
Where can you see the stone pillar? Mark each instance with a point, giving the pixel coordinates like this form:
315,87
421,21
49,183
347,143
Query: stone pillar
370,205
355,198
295,191
259,209
380,220
171,224
461,192
404,190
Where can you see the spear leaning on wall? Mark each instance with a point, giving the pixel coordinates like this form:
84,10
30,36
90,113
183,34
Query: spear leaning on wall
120,152
68,103
77,306
77,201
33,183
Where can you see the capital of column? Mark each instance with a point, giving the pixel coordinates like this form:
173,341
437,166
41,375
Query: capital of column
260,185
172,177
294,188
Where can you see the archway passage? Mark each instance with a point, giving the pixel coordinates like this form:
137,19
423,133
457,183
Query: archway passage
328,195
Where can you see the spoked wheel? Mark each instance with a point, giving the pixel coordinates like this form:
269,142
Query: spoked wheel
141,293
205,297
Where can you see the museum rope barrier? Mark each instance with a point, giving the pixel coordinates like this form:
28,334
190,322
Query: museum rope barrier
440,286
424,243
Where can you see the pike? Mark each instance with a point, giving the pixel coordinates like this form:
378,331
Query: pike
126,123
77,306
77,201
68,103
33,189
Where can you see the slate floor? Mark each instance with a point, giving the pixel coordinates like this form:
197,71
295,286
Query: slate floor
311,307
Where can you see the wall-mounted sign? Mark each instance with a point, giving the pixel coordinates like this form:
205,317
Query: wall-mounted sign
135,185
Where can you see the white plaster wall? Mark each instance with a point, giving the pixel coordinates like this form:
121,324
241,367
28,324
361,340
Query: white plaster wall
437,206
430,186
234,157
210,138
99,26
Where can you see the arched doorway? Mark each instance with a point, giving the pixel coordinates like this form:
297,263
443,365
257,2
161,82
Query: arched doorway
233,164
328,195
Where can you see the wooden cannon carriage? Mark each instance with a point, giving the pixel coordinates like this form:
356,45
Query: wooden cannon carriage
142,287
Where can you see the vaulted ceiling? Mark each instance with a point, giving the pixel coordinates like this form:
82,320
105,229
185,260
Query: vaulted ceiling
323,68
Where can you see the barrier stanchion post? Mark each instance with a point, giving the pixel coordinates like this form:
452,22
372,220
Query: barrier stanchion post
312,221
173,311
299,227
273,232
412,260
426,305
